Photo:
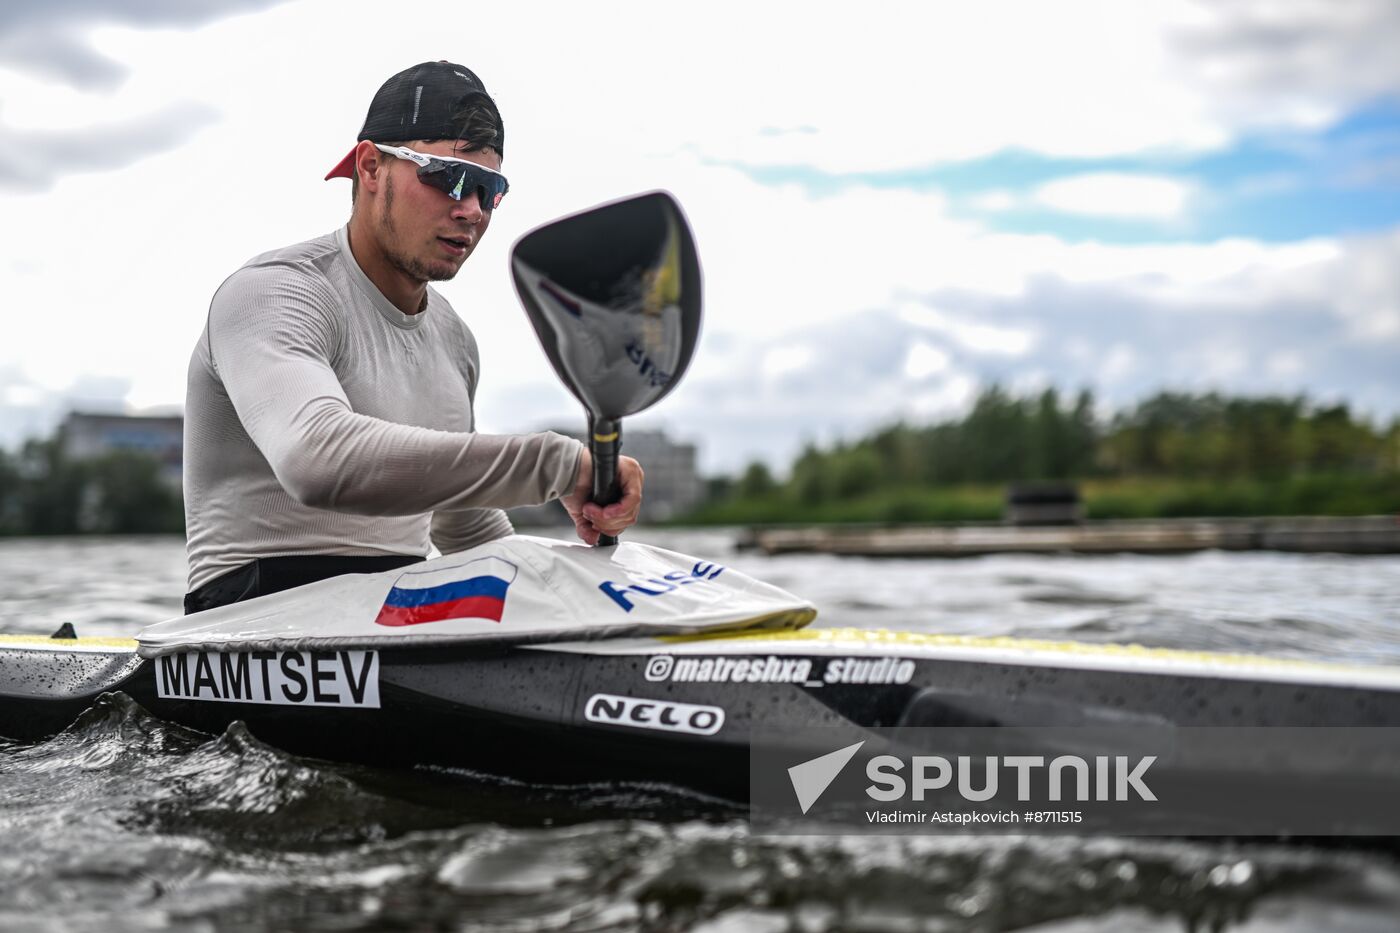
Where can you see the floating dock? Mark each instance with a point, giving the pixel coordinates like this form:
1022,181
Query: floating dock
1374,534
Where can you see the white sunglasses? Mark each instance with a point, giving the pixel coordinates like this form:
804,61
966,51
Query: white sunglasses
454,177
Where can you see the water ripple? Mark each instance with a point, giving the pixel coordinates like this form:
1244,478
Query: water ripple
126,822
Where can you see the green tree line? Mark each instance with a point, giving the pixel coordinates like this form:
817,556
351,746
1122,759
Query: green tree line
45,492
1174,453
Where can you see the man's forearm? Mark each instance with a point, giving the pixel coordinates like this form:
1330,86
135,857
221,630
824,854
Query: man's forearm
344,461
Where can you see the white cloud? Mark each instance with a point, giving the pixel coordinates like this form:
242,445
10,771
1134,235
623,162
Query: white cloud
1109,194
978,338
784,361
1030,382
54,38
994,201
949,400
111,275
925,360
1367,288
1118,364
1247,275
1287,364
1261,63
1072,78
1215,364
22,396
1384,325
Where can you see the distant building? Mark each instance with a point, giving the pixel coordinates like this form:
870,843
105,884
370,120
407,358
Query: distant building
673,485
86,436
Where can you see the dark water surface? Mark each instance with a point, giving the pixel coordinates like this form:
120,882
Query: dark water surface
126,822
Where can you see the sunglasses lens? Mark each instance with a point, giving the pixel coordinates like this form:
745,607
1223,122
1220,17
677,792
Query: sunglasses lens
458,179
492,191
444,176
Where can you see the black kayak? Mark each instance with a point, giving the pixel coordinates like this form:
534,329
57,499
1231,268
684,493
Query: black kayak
677,709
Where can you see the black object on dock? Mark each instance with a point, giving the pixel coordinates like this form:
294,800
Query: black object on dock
1043,504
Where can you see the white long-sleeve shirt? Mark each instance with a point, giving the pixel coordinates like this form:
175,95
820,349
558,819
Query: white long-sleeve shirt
320,419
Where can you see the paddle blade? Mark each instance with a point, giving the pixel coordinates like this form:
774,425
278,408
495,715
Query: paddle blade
614,295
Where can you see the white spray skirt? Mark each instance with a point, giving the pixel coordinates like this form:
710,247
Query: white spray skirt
519,589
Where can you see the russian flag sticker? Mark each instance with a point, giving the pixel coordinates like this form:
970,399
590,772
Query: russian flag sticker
474,590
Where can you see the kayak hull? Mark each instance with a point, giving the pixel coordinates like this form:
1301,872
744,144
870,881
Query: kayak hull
679,711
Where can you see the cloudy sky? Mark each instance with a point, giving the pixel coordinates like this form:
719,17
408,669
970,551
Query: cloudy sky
895,203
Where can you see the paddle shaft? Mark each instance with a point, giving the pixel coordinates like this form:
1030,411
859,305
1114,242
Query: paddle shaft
605,443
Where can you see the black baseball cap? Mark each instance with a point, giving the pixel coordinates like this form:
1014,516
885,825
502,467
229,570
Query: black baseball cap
417,103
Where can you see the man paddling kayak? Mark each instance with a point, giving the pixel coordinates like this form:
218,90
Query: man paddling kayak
329,426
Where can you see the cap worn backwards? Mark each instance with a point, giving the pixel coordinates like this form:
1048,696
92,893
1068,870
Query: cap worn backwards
423,102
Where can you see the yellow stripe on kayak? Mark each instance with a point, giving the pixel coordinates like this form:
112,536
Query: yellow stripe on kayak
857,636
128,644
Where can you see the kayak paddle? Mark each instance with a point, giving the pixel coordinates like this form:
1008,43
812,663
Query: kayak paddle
614,295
